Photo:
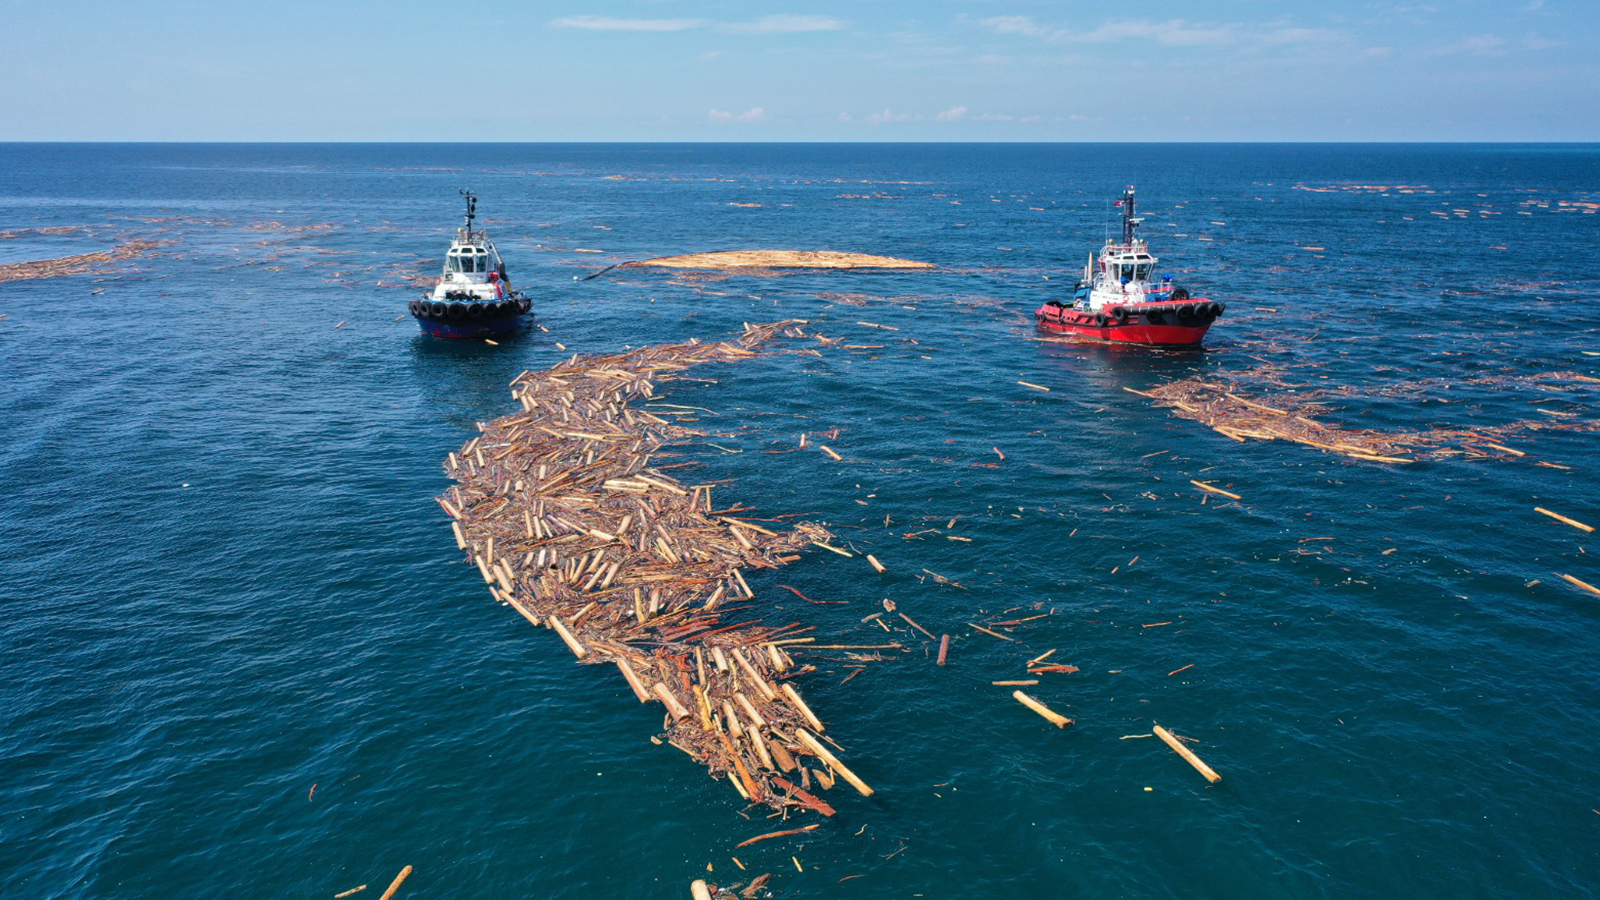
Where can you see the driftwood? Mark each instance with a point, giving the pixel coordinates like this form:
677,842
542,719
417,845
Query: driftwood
564,517
1298,416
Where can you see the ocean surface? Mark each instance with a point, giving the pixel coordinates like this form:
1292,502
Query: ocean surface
240,654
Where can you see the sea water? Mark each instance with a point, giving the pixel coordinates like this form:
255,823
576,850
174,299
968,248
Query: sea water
242,655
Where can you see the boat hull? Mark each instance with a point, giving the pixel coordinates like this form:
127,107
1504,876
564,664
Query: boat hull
1133,330
499,326
475,319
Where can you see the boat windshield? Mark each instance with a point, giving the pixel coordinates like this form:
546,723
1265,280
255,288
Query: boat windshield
468,262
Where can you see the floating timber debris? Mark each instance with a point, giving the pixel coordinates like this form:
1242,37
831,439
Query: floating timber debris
559,508
77,264
1293,417
754,262
1187,754
1054,717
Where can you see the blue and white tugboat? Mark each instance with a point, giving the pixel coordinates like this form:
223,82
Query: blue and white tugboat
473,298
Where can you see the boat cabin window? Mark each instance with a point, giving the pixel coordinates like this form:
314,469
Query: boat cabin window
468,262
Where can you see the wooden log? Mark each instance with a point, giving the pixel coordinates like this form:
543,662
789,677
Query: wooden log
732,718
1187,754
760,746
758,682
1580,583
461,539
829,450
944,648
1560,518
781,754
1003,637
875,564
676,709
395,885
1215,490
815,746
750,710
699,891
566,636
355,890
917,627
801,707
633,680
804,798
1054,717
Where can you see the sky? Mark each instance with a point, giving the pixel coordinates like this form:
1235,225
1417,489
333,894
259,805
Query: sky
812,70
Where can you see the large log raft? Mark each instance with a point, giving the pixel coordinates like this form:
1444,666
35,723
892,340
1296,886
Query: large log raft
567,521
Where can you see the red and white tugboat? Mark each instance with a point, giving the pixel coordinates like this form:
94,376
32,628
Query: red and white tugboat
1116,300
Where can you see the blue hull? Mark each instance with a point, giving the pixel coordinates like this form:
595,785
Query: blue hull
500,326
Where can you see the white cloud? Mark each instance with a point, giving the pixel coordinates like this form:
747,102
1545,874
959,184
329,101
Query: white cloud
1170,33
612,23
748,117
1016,25
953,114
784,23
889,117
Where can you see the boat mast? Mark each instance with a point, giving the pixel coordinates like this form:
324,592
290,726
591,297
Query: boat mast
1129,223
472,210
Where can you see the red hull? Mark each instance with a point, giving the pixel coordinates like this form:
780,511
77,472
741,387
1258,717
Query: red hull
1133,330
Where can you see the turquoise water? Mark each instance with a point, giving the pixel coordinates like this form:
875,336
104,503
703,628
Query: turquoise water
226,581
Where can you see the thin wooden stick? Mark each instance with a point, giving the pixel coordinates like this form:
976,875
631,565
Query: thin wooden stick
777,834
1188,755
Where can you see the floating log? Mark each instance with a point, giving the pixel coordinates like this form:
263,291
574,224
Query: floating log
1580,583
698,890
800,705
395,885
944,648
875,564
1054,717
1187,754
1213,489
1560,518
677,709
815,746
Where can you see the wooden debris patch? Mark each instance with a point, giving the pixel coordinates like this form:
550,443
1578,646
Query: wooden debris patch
567,522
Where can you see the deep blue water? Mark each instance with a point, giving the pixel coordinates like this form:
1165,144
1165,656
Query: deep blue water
225,580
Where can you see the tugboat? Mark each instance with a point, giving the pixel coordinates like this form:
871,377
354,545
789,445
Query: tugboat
1116,301
473,298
